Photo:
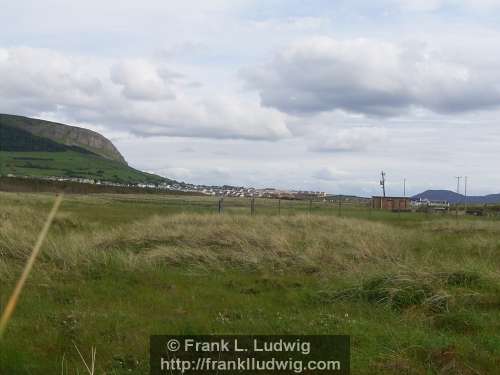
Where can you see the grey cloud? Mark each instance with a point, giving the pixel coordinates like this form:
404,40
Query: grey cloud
369,77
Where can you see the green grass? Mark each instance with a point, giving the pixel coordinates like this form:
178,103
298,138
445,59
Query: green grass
419,294
71,164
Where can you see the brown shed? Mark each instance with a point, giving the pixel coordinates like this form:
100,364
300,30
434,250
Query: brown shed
391,203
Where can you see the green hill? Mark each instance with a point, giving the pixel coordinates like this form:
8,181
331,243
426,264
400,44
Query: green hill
23,153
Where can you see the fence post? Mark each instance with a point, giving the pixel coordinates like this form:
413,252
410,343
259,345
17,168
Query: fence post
340,207
279,207
310,206
221,205
252,206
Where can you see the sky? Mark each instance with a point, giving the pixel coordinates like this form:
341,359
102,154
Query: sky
308,95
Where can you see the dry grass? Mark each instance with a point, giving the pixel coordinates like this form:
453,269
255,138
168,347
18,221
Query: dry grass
90,366
315,243
213,242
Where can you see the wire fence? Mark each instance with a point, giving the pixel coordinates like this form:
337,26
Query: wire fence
285,207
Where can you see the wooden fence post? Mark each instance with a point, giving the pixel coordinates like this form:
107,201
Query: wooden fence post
252,206
221,205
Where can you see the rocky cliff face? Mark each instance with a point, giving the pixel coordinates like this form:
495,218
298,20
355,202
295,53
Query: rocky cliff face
65,134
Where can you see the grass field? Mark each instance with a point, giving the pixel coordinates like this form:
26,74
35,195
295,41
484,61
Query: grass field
71,164
419,294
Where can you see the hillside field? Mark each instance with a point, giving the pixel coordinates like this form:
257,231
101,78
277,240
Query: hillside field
71,164
418,293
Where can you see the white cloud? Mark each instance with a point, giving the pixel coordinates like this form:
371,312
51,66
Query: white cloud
141,80
216,117
135,95
36,79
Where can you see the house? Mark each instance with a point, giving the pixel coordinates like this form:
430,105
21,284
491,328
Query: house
391,203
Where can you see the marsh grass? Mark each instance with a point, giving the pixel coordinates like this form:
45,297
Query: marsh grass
417,295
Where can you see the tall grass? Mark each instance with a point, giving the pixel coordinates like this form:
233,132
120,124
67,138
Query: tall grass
14,298
319,243
114,271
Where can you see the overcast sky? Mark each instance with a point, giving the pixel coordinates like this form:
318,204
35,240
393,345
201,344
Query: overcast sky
316,94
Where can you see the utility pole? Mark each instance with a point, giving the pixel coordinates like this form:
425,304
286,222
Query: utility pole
458,192
382,182
458,183
404,187
465,192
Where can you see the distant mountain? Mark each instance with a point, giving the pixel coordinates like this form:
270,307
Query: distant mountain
452,197
37,148
65,135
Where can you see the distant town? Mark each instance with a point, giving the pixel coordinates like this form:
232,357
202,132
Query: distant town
219,191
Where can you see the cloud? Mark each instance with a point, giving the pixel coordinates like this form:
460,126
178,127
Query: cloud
41,80
351,139
370,77
222,117
139,96
141,80
329,174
